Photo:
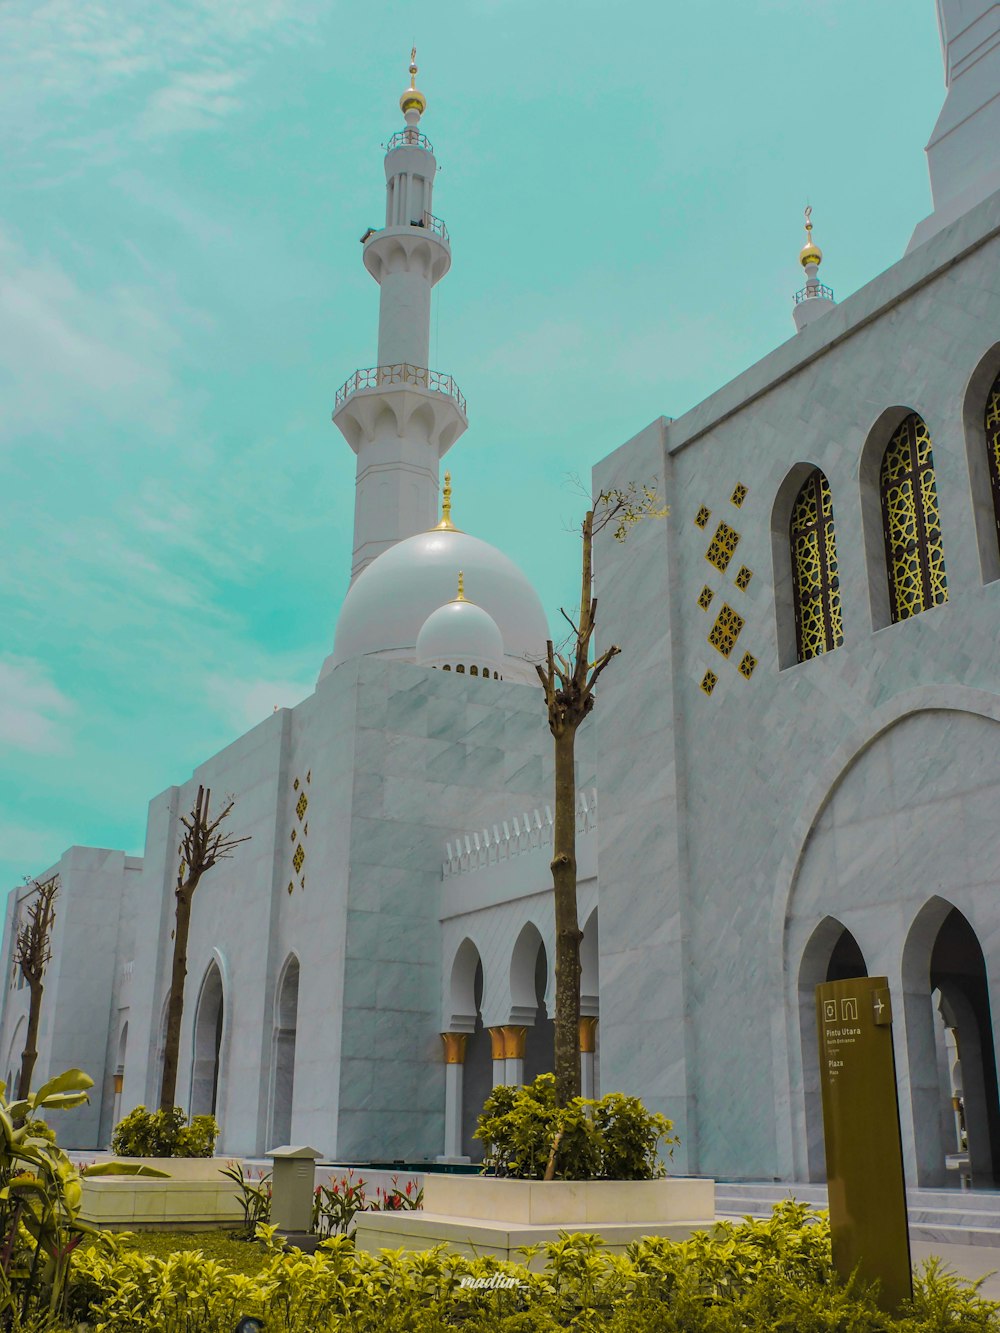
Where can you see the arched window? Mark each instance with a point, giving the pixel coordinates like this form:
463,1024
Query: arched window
815,580
911,522
993,447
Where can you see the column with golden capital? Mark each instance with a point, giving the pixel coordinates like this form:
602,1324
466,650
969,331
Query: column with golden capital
454,1044
588,1047
514,1040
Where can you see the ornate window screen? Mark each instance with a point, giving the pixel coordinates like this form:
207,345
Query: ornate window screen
911,522
815,578
993,446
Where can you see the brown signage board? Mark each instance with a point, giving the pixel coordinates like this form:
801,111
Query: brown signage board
864,1157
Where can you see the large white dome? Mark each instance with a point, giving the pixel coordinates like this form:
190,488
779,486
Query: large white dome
390,600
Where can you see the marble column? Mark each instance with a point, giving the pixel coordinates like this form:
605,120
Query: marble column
499,1062
514,1038
588,1045
454,1059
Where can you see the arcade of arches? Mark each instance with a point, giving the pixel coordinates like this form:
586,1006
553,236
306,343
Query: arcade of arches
480,1056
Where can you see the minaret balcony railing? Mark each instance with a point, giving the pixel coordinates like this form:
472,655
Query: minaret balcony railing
435,225
409,138
379,377
811,290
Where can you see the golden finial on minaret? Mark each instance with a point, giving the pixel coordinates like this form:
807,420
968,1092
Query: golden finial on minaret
446,523
413,99
810,252
461,586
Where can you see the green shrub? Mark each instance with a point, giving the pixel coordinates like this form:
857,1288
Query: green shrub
615,1138
164,1134
749,1277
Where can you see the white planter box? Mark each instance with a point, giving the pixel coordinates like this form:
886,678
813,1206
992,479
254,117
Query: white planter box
121,1203
183,1168
483,1215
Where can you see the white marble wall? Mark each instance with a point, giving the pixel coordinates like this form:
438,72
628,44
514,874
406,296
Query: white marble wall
708,804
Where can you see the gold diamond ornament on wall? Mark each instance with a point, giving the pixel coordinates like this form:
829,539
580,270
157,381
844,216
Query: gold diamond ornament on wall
739,494
702,517
302,805
705,598
708,682
747,664
742,579
726,630
722,547
298,858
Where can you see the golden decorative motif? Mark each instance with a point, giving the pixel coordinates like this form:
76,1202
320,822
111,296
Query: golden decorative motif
496,1043
992,422
514,1038
295,785
815,579
309,776
413,99
747,664
810,252
722,547
742,579
705,597
740,493
702,517
293,835
726,630
708,682
588,1035
460,595
454,1047
446,524
302,804
911,522
291,886
298,858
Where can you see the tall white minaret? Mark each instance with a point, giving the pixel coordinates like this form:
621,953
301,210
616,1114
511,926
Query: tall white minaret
963,154
400,417
815,298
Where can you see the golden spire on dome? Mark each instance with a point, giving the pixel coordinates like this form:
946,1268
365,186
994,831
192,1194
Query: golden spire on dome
460,596
446,524
810,252
413,99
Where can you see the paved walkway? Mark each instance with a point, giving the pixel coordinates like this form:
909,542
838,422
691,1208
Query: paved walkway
970,1261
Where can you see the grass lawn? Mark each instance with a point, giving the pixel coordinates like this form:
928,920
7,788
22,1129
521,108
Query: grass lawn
241,1256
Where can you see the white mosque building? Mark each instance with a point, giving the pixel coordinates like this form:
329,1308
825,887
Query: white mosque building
797,755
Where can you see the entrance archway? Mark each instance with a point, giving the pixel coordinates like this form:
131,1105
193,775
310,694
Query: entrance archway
207,1045
949,1038
831,954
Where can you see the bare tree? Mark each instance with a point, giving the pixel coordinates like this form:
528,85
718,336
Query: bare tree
568,681
32,953
203,842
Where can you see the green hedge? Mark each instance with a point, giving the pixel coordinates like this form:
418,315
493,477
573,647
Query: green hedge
754,1277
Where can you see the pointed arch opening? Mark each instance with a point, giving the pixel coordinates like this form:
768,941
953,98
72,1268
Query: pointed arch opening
286,1010
529,983
831,954
208,1045
981,419
911,521
812,541
951,1051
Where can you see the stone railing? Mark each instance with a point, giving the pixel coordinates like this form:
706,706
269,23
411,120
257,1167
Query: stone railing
812,290
524,833
378,377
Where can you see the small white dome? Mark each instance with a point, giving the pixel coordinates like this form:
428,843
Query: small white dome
389,601
461,634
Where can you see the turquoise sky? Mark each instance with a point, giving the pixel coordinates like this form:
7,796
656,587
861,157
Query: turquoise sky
182,189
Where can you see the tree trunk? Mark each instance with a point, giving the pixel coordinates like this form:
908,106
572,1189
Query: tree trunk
568,934
175,1011
30,1053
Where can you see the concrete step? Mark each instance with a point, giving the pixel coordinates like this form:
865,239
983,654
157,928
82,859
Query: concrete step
945,1217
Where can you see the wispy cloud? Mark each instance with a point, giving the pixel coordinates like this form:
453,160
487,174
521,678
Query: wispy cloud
33,710
64,349
244,703
181,60
192,100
